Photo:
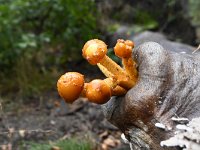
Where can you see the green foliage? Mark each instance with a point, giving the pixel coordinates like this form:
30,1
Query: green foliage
26,26
31,24
71,144
37,35
112,55
142,20
194,7
27,80
145,20
112,28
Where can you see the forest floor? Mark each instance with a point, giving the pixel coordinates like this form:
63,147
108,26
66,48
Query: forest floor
52,119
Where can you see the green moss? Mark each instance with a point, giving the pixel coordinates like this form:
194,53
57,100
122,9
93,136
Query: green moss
71,144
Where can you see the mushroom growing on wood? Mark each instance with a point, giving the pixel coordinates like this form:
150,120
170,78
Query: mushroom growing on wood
123,49
71,85
98,91
94,51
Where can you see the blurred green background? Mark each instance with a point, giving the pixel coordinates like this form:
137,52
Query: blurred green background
41,39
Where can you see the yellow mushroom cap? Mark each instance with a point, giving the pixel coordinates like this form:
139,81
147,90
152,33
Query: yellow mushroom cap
70,86
98,91
122,49
94,50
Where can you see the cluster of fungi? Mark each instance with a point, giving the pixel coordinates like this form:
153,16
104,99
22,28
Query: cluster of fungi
119,80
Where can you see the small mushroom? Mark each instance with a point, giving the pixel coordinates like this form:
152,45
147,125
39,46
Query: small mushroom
98,91
94,51
70,86
123,49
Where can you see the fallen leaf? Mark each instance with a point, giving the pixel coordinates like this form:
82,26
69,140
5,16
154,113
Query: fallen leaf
110,142
55,148
22,133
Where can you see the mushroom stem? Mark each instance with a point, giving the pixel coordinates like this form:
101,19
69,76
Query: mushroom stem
105,71
111,82
118,91
122,80
112,67
83,92
130,67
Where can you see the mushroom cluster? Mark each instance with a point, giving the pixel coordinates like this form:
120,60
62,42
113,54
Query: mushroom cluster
71,85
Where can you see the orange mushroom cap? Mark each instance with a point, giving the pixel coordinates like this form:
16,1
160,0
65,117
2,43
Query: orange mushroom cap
129,43
98,91
70,86
123,49
94,50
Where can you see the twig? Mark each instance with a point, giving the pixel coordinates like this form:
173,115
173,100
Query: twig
26,131
3,115
198,48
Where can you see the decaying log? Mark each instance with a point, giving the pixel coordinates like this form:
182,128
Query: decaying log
167,94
